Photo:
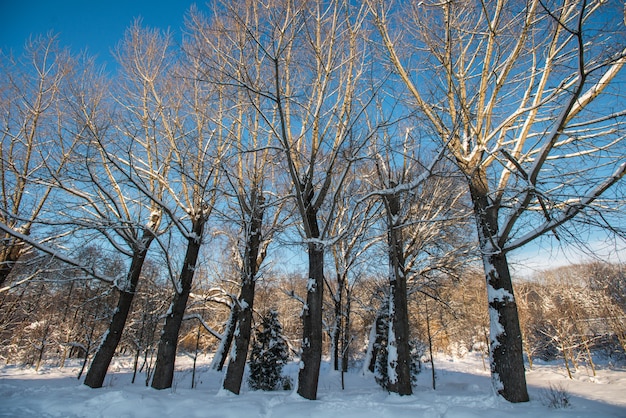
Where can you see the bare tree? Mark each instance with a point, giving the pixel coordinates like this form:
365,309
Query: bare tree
352,226
521,94
421,205
33,105
197,132
312,58
112,204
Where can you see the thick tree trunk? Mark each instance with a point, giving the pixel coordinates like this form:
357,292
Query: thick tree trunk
237,363
166,354
505,346
311,358
100,364
398,340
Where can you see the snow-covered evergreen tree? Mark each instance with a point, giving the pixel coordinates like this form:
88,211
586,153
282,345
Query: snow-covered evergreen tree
269,355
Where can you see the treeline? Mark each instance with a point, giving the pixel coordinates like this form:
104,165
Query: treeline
574,313
298,152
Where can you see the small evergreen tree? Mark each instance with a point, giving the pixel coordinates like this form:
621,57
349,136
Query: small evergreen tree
269,355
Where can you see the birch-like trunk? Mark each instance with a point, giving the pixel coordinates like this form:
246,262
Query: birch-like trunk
166,354
505,345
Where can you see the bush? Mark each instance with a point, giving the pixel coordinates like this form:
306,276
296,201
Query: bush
556,397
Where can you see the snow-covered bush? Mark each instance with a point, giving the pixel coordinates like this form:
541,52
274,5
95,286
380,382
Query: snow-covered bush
269,355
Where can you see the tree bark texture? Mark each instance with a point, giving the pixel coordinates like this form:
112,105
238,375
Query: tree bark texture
166,354
311,358
505,348
100,364
237,363
398,309
227,339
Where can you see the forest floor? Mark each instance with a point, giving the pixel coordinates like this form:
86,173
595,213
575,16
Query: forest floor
463,390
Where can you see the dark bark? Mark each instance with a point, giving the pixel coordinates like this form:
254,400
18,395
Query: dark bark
237,364
311,358
398,303
10,254
166,354
507,359
227,338
381,317
100,364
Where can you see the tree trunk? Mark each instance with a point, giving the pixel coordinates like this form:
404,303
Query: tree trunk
505,347
337,326
346,340
166,354
398,339
10,254
100,364
311,358
227,339
239,355
237,363
377,335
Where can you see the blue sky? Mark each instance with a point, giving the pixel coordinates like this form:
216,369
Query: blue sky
93,25
97,26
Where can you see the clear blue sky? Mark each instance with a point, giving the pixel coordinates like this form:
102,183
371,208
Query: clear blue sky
93,25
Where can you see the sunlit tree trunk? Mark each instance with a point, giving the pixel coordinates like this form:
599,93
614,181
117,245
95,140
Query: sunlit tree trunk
101,361
237,363
166,354
311,357
505,345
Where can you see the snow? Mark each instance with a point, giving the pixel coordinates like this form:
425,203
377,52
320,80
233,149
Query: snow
498,295
463,391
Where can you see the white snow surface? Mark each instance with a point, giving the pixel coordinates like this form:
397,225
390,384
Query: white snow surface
463,391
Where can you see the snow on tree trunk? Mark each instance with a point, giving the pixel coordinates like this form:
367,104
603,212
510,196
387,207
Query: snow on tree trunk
100,364
166,354
369,361
398,350
505,348
227,338
311,357
251,262
239,353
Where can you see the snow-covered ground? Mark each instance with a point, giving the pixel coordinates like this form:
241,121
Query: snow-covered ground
463,391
